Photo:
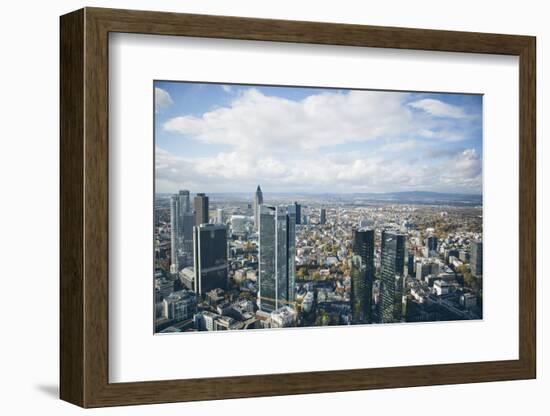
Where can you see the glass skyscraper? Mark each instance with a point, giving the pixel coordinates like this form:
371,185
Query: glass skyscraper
210,257
277,256
258,200
362,275
391,279
181,223
476,258
201,209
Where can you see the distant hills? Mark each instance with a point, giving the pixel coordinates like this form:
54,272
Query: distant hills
405,197
426,196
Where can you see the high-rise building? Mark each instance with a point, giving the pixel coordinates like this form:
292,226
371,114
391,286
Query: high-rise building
298,213
476,258
258,200
362,277
179,306
239,225
220,216
323,216
210,257
431,245
391,281
181,226
201,209
277,257
410,264
174,235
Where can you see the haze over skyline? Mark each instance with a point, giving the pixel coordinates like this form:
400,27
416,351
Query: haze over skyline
228,138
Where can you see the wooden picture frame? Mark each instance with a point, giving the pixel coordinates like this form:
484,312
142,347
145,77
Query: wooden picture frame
84,207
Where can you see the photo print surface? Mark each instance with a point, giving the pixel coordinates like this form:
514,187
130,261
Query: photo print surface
287,207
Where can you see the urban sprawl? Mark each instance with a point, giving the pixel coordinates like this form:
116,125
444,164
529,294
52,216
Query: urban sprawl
233,262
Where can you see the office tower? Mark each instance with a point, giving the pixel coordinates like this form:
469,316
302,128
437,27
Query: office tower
201,209
476,258
362,276
323,216
277,256
219,216
179,306
410,264
184,200
186,219
431,245
210,257
258,200
298,213
188,222
174,235
239,225
181,226
391,281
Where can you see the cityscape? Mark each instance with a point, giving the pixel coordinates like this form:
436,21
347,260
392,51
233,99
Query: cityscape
267,244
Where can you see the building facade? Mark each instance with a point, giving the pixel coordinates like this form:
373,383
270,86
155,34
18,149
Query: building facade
476,258
201,209
323,216
277,257
181,226
210,257
391,279
298,213
362,277
258,200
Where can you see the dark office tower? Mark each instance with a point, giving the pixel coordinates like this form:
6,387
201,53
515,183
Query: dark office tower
298,213
210,257
410,264
323,216
391,281
358,290
277,254
258,200
476,258
431,243
291,256
362,274
201,209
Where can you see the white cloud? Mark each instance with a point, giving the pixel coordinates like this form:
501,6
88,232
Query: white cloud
438,108
227,88
263,123
162,99
288,145
343,172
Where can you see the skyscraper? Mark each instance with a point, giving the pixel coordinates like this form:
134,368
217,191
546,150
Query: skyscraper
298,213
431,245
220,216
201,209
323,216
391,281
258,200
476,258
181,226
210,257
174,237
277,256
362,276
186,219
410,264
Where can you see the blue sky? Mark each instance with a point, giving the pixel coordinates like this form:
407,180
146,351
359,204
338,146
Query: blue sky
223,138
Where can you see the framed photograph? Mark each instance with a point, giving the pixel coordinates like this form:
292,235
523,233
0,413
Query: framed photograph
255,207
